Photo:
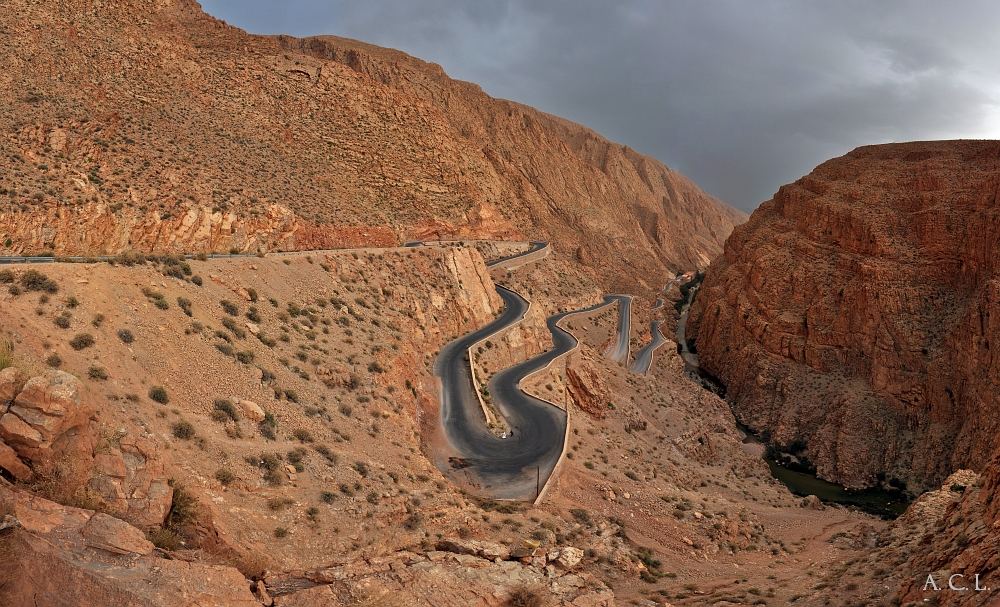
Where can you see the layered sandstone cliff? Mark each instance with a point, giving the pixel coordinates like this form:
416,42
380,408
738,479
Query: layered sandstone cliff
854,312
153,126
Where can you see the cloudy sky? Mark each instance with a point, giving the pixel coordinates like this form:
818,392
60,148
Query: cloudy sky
740,96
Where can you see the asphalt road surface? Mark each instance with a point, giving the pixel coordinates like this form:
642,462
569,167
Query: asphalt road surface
508,468
644,357
535,246
619,353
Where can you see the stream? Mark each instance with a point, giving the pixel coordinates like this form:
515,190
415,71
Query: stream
886,504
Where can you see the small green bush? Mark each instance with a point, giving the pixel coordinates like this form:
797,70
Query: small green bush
33,280
165,539
159,394
229,307
96,372
81,341
226,406
197,280
63,320
183,430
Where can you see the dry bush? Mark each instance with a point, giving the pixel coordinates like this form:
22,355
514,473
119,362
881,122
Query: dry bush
61,481
525,596
6,354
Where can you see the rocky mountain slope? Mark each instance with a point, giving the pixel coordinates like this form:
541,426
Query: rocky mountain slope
153,126
854,312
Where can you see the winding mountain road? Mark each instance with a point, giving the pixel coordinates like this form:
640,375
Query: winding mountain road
644,357
509,467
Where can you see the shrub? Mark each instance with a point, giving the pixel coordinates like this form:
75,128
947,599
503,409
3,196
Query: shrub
96,372
225,406
183,509
362,469
245,357
33,280
303,435
279,503
253,314
14,290
197,280
413,521
165,539
523,596
229,307
62,321
54,361
159,394
374,367
162,303
225,349
280,532
328,497
6,276
252,292
185,305
183,430
81,341
292,395
72,301
126,336
97,321
327,453
224,476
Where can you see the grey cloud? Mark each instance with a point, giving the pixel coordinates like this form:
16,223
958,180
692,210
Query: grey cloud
740,96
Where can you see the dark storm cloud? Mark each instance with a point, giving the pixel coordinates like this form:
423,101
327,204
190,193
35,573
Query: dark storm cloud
740,96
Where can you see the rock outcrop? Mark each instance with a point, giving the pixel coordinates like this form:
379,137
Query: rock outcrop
49,428
585,387
63,556
48,420
856,311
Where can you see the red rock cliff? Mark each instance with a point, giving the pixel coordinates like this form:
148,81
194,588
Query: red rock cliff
857,309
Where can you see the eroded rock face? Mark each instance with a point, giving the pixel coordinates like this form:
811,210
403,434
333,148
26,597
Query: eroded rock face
584,386
48,418
71,557
857,310
132,480
49,424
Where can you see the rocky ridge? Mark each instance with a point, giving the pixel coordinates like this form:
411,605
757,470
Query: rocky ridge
167,130
855,311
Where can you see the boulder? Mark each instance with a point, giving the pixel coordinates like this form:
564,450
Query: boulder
569,557
114,535
11,383
11,463
51,404
252,411
17,432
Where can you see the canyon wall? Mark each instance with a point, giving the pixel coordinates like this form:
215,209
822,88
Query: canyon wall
154,126
854,312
